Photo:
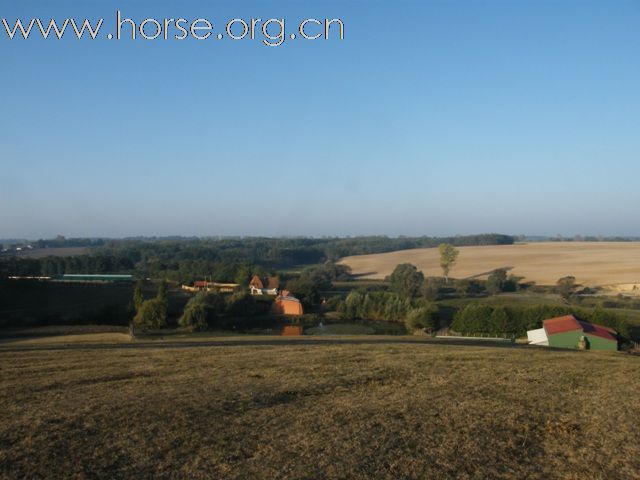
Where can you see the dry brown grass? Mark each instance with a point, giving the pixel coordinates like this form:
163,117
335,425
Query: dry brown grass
592,263
320,410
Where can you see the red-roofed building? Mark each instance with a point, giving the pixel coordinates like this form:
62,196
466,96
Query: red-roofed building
569,332
287,306
567,323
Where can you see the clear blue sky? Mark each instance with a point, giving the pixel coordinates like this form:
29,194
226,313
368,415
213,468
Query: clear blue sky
428,118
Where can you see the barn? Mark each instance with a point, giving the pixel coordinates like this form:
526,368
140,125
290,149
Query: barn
287,305
569,332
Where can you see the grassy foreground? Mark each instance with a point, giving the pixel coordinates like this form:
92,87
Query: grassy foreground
328,409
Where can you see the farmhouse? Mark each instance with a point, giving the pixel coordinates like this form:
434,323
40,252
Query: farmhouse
266,286
287,305
569,332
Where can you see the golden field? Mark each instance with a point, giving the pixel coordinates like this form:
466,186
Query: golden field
337,408
592,263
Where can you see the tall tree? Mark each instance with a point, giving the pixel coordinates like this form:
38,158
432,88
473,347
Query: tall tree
448,256
406,280
162,292
566,286
496,281
138,298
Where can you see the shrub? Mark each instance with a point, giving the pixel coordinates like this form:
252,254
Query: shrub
431,287
422,317
496,281
566,286
200,311
152,314
406,280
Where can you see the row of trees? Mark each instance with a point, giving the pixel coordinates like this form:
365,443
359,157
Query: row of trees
408,282
185,259
204,310
414,312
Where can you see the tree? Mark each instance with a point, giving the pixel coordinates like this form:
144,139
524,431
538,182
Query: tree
448,256
243,275
406,280
194,317
138,298
431,287
200,311
162,292
306,289
422,317
152,314
566,286
499,321
468,287
496,281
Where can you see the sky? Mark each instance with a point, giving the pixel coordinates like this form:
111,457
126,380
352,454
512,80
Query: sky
428,118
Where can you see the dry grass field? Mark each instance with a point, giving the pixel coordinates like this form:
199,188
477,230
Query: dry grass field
592,263
390,408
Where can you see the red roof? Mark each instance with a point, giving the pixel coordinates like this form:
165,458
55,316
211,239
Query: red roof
598,331
567,323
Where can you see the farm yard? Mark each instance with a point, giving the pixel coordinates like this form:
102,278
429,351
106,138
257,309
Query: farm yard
592,263
323,409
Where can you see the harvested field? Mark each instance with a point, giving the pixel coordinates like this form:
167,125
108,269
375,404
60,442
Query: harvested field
592,263
326,409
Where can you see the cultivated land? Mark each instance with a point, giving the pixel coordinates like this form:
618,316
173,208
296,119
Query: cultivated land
331,408
592,263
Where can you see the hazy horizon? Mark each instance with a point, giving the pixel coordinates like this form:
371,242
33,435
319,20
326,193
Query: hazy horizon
437,118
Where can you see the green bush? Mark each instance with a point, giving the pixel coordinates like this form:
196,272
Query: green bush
422,317
152,314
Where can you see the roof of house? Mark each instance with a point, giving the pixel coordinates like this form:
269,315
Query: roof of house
569,323
288,299
273,282
566,323
598,331
256,282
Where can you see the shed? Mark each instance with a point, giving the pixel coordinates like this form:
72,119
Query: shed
567,332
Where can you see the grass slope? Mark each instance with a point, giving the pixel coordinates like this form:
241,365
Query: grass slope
322,410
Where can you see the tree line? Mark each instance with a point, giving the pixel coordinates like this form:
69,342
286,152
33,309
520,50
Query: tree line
478,319
184,259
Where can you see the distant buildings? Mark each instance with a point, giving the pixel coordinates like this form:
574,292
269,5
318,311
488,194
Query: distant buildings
205,286
283,304
569,332
266,286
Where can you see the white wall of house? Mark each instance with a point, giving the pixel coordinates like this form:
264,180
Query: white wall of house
537,337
